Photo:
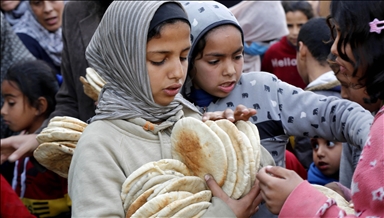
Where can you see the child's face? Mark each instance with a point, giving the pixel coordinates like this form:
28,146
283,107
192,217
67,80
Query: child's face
167,61
17,113
295,20
355,93
219,68
326,155
9,5
48,13
351,88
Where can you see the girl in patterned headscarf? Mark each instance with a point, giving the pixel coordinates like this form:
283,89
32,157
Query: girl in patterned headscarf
40,31
13,10
215,82
140,49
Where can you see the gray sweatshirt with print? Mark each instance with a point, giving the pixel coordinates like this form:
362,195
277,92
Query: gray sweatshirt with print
284,110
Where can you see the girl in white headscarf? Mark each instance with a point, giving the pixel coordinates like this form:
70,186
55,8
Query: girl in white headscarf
140,49
263,22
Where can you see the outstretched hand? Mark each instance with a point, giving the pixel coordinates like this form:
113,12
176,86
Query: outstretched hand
244,207
276,184
16,147
241,113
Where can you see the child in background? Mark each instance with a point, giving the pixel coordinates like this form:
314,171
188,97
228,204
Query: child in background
260,31
312,53
280,58
359,50
29,90
326,161
13,10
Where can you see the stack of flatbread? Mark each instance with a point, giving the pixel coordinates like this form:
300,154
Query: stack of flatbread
92,83
231,153
57,143
164,188
340,201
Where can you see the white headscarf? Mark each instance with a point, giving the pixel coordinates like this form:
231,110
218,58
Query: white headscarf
14,16
260,21
51,42
117,52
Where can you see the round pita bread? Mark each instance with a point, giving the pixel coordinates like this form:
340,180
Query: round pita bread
140,201
93,84
168,175
193,209
176,206
200,214
158,166
68,125
96,78
88,89
230,181
340,201
55,134
246,128
55,157
265,157
257,145
243,172
196,145
159,188
70,120
192,184
159,202
137,186
252,166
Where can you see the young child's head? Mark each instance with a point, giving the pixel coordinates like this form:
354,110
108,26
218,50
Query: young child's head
29,90
48,13
9,5
167,54
145,68
313,41
359,49
297,13
326,155
216,57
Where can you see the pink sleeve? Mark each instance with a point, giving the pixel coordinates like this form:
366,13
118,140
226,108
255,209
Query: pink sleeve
306,201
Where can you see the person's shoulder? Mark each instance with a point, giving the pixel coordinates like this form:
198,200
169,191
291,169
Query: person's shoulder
275,46
77,9
27,39
259,75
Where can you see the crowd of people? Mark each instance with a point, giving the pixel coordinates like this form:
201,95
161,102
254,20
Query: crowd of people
308,74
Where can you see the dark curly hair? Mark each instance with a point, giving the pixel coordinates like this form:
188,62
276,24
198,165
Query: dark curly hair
352,19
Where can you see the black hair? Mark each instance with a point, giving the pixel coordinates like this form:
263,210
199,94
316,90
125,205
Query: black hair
200,45
303,6
156,31
35,79
352,19
315,34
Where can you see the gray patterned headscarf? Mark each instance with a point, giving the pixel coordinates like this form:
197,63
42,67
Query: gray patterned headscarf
117,52
51,42
205,16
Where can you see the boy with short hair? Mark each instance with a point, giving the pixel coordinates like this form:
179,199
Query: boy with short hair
280,58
